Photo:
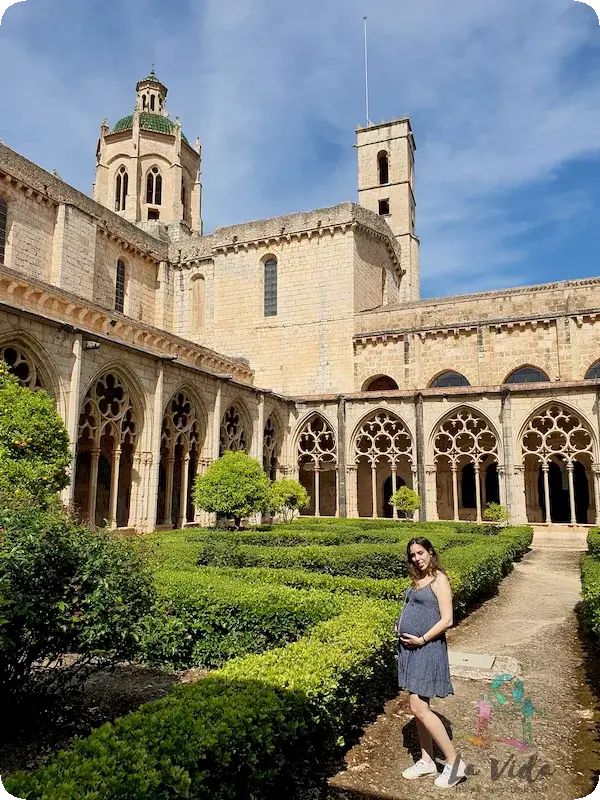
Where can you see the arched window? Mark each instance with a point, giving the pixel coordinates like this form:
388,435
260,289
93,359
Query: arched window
151,102
3,212
122,185
270,293
382,383
154,187
183,199
383,167
143,102
593,372
120,287
449,379
527,375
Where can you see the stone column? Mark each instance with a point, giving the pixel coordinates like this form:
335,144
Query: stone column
317,490
216,425
430,492
114,486
545,468
596,488
73,411
505,471
455,491
374,490
93,488
570,468
519,495
152,468
478,491
183,491
342,510
415,482
420,463
394,489
352,490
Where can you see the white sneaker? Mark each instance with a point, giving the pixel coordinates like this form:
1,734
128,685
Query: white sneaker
421,767
451,775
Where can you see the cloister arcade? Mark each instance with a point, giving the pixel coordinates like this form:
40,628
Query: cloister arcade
544,466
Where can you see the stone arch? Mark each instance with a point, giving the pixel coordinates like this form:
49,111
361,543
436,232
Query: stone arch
531,374
447,378
593,373
183,434
235,431
110,424
379,383
44,374
465,445
316,457
559,453
382,451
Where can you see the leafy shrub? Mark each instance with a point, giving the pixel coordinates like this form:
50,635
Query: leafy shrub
64,590
263,726
405,500
590,589
233,486
593,542
496,513
209,618
34,444
287,497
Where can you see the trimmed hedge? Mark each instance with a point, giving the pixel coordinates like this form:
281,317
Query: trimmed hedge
210,618
258,728
590,589
593,542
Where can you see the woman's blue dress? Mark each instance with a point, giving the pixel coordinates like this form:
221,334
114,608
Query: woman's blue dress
423,670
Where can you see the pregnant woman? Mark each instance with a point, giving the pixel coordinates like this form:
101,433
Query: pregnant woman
423,667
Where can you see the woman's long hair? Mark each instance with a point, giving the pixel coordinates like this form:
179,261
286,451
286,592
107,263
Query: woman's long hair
434,565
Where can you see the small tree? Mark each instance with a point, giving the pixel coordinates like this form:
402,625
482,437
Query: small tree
34,443
497,513
405,500
233,486
287,497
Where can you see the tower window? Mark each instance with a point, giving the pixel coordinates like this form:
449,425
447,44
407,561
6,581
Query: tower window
122,184
3,210
384,207
151,102
183,199
143,102
153,213
120,287
270,293
154,187
383,167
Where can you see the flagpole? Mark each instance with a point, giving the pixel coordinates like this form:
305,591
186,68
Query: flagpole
366,74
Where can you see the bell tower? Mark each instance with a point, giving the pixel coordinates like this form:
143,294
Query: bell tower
386,186
147,171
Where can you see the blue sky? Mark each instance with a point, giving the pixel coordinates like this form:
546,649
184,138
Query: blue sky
504,100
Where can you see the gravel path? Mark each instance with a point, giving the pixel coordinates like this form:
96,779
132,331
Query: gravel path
533,620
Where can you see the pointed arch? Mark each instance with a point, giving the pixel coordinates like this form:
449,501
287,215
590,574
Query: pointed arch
235,432
382,451
33,365
527,373
316,455
465,444
154,183
383,167
379,383
558,448
272,444
593,373
448,378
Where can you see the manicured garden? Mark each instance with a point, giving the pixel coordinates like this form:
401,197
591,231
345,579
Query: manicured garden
295,623
590,584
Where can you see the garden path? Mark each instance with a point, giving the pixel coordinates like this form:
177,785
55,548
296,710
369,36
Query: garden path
533,620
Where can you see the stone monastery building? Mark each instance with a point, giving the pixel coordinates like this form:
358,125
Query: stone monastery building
300,339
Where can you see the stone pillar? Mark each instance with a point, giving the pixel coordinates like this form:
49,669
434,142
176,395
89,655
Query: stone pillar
216,425
570,468
455,492
478,491
151,499
168,518
352,490
505,470
545,468
317,491
259,431
73,411
519,495
426,507
394,489
93,488
596,487
416,487
183,492
114,486
430,491
374,490
342,510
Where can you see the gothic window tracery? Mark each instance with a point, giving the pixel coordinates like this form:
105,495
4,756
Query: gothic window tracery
107,438
154,187
21,366
383,437
121,189
464,446
233,435
317,462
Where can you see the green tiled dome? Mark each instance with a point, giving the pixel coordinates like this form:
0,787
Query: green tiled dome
148,122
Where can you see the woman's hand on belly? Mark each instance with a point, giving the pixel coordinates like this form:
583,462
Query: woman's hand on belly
410,642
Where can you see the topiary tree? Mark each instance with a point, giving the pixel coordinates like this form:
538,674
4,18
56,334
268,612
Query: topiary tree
233,486
405,500
287,497
497,513
34,443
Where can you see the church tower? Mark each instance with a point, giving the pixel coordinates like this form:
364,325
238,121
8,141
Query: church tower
147,171
386,186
